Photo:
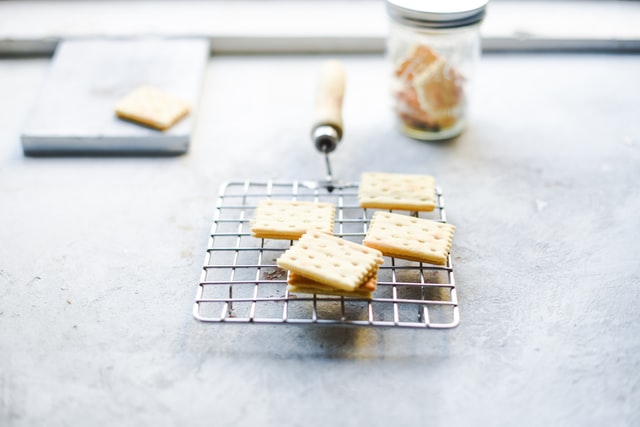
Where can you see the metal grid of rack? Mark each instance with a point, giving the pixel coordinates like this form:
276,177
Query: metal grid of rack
241,283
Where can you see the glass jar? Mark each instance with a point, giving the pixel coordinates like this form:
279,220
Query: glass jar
433,48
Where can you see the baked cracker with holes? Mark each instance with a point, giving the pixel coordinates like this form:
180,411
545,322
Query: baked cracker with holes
323,263
410,238
300,284
397,191
288,219
152,107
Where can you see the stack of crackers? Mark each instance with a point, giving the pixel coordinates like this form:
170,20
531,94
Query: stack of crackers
321,263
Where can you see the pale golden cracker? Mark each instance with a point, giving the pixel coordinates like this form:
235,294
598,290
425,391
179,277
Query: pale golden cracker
439,89
397,191
289,219
152,107
300,284
330,260
418,59
411,238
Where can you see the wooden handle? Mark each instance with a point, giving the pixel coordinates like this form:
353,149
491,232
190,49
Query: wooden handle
328,107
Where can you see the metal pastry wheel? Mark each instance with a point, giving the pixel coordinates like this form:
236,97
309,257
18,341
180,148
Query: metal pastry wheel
241,283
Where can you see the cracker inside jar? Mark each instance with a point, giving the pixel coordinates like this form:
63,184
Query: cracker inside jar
428,90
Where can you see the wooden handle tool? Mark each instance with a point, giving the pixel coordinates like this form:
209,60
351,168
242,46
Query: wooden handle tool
327,127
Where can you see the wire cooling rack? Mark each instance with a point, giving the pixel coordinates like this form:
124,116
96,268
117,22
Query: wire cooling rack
241,283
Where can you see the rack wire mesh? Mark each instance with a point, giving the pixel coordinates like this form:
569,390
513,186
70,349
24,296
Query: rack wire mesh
241,283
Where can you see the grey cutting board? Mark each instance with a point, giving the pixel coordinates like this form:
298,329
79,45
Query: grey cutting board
74,111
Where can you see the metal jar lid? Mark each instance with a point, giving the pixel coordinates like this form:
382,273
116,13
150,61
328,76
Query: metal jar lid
437,13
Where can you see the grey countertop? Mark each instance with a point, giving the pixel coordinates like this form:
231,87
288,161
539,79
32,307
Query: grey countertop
101,256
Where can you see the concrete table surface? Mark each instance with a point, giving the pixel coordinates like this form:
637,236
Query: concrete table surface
100,259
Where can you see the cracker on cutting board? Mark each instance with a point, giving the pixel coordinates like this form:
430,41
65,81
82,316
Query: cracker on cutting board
411,238
289,219
339,264
397,191
152,107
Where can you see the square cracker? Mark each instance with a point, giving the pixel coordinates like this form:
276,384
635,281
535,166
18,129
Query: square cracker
288,219
332,261
300,284
152,107
397,191
440,92
411,238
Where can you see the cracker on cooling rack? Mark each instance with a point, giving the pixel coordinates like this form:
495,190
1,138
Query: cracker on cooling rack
289,219
411,238
397,191
323,263
152,107
300,284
